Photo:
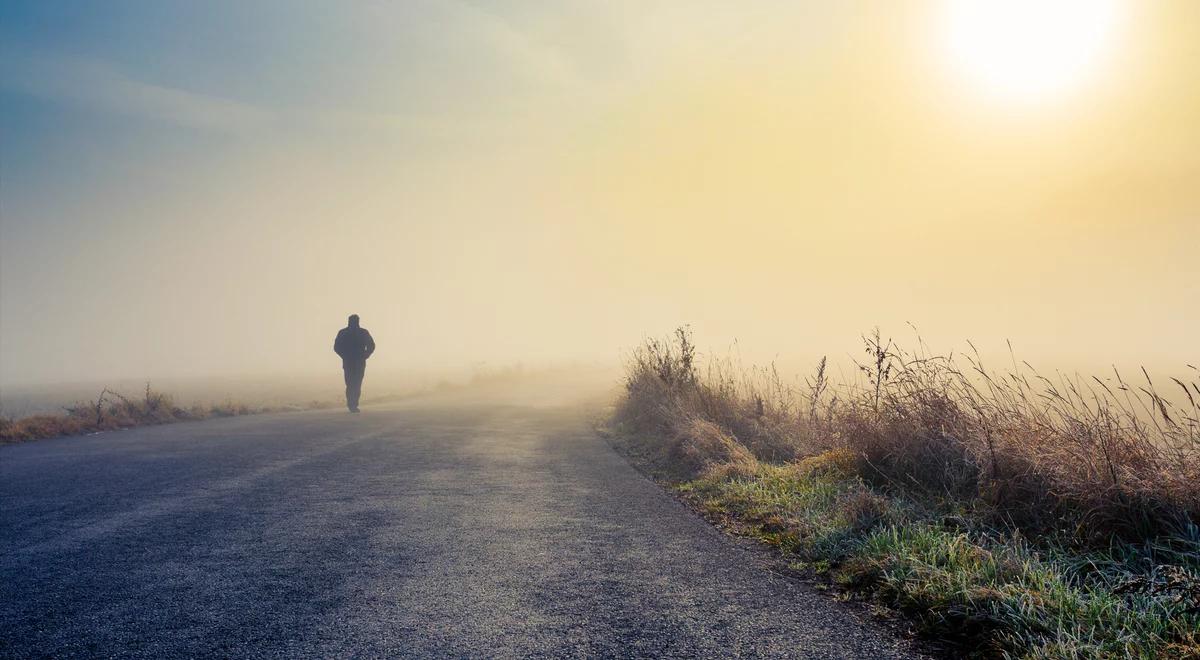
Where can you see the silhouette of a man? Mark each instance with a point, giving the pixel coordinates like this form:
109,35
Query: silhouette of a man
354,345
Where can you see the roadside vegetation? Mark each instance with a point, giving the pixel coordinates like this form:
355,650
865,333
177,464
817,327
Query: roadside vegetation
112,410
1005,513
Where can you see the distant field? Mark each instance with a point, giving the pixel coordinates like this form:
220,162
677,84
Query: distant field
22,401
32,413
263,391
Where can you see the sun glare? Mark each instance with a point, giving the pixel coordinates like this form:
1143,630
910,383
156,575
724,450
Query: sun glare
1025,50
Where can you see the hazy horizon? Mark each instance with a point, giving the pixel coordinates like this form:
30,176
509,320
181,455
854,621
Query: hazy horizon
208,190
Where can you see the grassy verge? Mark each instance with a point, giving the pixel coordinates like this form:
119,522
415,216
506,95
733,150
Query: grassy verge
892,492
112,410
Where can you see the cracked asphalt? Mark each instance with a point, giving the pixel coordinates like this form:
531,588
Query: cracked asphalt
432,527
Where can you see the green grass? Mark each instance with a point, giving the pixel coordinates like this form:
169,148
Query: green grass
975,589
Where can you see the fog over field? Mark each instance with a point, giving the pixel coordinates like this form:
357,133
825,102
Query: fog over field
203,192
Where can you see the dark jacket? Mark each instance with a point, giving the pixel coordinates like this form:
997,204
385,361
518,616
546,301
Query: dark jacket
354,345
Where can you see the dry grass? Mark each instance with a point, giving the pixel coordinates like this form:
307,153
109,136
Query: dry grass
112,410
1008,514
1098,458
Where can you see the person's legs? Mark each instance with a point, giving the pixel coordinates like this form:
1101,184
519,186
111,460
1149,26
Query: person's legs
348,371
354,378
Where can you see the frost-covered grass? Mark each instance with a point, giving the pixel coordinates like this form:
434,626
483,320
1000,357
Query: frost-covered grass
969,586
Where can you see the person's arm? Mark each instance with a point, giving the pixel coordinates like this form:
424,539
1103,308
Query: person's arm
369,345
337,345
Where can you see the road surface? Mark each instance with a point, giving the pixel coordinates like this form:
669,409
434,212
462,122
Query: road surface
425,528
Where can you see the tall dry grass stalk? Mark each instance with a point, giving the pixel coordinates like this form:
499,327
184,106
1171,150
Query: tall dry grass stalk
1090,458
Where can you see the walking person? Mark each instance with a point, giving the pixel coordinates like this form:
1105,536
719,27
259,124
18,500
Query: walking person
354,345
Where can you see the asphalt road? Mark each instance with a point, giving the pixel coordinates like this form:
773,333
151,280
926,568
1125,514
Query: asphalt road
427,528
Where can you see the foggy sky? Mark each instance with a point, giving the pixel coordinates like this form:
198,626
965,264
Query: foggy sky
210,188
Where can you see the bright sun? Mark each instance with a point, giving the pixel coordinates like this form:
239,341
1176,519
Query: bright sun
1024,50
